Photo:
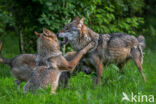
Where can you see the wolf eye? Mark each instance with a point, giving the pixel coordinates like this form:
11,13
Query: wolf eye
47,32
65,28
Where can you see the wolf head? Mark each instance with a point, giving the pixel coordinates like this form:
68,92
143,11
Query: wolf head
76,32
47,46
74,29
47,40
71,30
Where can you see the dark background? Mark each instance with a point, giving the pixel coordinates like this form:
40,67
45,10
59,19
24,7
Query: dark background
20,18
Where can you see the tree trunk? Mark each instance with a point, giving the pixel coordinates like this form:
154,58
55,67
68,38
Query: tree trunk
21,42
19,33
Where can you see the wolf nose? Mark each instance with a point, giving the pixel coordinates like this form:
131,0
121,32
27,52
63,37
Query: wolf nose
61,31
57,34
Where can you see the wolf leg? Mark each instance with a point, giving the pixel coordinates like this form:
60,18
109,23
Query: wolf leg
77,58
70,55
139,66
54,87
70,65
64,78
99,68
137,57
55,82
26,87
83,64
121,65
17,82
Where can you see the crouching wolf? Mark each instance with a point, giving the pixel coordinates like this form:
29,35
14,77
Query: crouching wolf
21,66
50,63
115,48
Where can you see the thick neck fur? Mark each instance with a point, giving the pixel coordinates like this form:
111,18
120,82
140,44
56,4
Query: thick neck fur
89,32
86,35
46,49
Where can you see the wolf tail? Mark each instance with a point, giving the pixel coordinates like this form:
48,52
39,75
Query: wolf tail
141,40
4,60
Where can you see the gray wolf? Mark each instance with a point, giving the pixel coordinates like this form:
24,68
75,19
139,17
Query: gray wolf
21,66
50,63
115,48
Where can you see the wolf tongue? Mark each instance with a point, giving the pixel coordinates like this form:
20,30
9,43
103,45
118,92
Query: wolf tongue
64,42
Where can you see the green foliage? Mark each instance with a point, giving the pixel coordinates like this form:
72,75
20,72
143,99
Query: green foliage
25,14
109,17
5,18
103,16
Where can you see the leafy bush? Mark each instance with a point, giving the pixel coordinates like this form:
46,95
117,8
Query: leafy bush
102,16
6,19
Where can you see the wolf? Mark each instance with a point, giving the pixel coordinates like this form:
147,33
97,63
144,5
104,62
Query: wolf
115,48
21,66
50,63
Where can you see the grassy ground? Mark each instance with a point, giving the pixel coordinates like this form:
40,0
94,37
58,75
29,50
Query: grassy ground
80,89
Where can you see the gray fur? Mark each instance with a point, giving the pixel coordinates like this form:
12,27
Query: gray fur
44,74
57,67
114,48
21,66
44,51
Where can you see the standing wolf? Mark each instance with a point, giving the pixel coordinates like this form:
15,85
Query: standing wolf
21,66
115,48
50,63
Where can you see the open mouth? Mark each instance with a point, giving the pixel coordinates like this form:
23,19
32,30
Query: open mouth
64,41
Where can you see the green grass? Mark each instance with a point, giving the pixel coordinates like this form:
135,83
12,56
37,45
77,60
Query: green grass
80,89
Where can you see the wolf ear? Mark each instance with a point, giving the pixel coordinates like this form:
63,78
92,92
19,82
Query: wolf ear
82,20
48,32
77,18
37,34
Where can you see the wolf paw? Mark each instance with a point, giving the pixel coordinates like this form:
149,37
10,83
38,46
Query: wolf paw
91,44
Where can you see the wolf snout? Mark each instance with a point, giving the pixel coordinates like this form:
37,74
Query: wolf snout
64,42
93,43
57,34
61,31
60,35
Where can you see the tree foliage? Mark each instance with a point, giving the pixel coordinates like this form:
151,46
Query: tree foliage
103,16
